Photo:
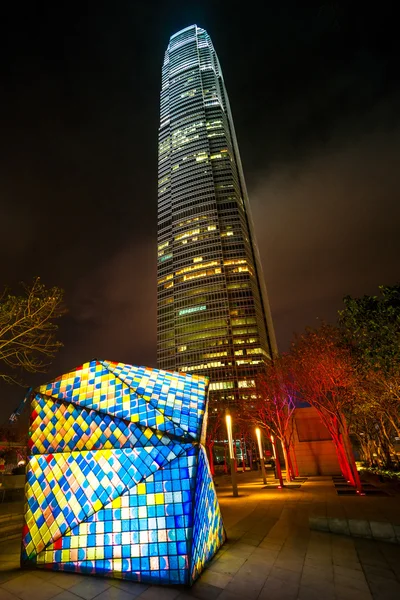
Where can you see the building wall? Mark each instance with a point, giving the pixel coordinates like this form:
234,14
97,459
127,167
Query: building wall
213,315
315,452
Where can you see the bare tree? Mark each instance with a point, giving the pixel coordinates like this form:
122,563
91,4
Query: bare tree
28,329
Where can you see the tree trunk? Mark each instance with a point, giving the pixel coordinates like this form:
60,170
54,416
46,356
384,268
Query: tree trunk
352,463
277,463
287,464
210,448
295,465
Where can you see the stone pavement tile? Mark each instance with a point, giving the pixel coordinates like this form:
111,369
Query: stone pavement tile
251,540
373,560
4,595
316,592
345,562
318,562
285,575
277,589
225,595
113,593
254,571
66,595
345,554
205,591
271,545
292,565
132,587
385,589
345,593
239,549
316,574
339,570
156,592
63,580
351,582
228,566
246,587
8,573
371,572
213,578
261,557
269,555
28,586
89,588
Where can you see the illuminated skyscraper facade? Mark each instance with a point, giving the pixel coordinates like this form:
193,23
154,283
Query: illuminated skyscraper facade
213,313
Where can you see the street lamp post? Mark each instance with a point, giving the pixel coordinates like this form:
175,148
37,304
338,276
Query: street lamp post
261,453
231,454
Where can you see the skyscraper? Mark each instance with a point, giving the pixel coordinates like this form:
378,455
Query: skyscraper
213,312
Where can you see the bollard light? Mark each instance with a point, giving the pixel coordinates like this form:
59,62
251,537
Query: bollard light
261,453
228,419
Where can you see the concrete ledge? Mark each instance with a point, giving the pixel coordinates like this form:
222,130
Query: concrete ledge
377,530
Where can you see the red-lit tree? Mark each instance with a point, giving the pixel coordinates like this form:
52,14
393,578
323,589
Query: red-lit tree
273,405
324,373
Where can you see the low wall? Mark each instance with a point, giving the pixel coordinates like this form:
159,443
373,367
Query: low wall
315,452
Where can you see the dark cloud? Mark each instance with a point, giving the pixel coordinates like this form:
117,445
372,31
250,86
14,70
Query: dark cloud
328,227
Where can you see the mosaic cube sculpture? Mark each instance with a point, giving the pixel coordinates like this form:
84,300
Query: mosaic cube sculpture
118,482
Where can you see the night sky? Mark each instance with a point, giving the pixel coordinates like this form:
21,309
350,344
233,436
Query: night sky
315,97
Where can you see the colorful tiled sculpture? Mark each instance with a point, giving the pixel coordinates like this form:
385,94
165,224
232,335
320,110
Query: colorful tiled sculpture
118,482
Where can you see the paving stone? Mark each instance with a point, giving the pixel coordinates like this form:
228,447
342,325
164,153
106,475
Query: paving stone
285,575
319,523
319,562
132,587
346,593
9,573
382,531
225,595
66,595
316,574
157,592
246,587
385,592
339,526
360,528
213,578
292,565
28,586
64,580
372,572
4,595
397,532
229,566
345,562
89,588
278,589
316,592
348,572
205,591
351,582
113,593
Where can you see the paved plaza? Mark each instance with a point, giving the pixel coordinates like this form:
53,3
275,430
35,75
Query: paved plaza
271,553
